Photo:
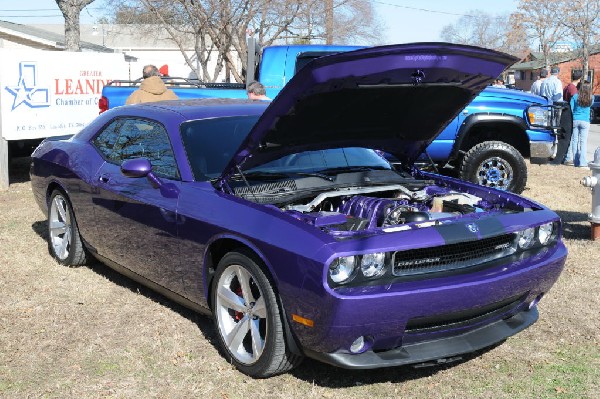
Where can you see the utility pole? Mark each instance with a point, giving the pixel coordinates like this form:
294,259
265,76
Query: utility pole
329,21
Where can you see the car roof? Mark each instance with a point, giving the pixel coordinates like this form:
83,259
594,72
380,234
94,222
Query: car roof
202,108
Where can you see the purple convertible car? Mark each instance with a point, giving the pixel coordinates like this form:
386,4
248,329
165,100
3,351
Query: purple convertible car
286,222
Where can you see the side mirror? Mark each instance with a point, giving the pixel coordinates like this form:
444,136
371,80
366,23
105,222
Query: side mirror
138,167
141,167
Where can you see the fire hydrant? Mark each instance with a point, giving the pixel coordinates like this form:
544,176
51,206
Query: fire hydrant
594,183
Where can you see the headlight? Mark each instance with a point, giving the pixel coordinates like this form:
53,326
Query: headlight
538,116
342,269
526,238
373,265
545,233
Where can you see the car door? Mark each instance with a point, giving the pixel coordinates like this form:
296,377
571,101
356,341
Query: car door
136,221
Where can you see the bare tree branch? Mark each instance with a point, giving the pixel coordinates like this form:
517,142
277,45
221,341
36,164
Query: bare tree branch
580,17
542,21
219,29
71,9
498,32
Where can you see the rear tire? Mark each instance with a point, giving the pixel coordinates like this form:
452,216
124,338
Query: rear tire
495,164
64,241
248,318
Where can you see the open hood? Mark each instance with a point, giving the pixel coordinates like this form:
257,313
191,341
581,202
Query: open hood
392,98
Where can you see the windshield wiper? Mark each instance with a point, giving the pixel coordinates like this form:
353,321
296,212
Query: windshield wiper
349,169
282,175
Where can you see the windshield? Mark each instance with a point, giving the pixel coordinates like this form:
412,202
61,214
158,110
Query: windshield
334,159
211,143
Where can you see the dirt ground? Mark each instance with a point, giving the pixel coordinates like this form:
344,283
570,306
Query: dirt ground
90,333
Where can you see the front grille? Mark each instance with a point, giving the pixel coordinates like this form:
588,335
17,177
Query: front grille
452,256
463,318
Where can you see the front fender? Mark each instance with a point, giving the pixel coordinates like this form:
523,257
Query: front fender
477,120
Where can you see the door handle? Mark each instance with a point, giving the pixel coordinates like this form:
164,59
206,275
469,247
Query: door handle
104,178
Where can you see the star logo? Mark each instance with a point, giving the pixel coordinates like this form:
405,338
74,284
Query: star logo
26,90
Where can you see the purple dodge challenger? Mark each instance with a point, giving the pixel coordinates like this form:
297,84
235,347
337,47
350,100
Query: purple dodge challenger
287,223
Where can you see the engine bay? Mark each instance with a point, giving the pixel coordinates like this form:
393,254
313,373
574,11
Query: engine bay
391,208
350,210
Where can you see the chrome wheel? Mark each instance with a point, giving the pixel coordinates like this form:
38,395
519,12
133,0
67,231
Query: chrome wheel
241,314
60,227
495,172
495,164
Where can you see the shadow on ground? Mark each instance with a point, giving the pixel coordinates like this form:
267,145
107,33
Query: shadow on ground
18,170
310,370
576,225
203,322
328,376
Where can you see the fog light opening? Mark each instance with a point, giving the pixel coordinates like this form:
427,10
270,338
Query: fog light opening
534,303
361,344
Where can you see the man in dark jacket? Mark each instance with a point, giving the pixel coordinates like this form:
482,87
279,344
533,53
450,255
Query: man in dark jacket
152,88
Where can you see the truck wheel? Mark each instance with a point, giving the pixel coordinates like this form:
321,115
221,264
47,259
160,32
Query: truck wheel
495,164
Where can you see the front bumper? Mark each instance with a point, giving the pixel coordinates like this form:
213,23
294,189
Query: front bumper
438,349
409,322
542,152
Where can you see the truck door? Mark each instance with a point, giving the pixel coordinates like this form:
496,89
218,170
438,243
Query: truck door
439,149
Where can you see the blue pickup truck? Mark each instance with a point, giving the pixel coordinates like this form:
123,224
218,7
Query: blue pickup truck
487,143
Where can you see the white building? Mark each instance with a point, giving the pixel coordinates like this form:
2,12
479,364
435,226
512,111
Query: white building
141,44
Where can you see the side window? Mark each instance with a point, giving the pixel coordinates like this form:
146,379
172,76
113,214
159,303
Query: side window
139,138
105,141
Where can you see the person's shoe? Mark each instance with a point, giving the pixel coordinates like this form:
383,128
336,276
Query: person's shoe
568,163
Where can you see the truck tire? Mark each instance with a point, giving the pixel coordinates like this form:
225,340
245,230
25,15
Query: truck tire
495,164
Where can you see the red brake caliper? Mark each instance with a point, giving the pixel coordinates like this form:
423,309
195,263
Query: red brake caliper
238,315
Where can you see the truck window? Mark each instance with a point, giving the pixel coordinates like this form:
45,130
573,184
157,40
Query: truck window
304,58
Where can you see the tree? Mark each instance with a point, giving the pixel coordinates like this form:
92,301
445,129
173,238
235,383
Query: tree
543,23
516,42
71,9
478,28
580,17
217,30
340,22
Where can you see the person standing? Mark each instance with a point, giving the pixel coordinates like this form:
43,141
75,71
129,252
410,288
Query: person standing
551,88
499,83
536,86
581,104
571,89
152,88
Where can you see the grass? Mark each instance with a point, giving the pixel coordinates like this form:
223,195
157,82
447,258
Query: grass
90,333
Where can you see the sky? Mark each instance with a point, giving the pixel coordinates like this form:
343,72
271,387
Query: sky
405,20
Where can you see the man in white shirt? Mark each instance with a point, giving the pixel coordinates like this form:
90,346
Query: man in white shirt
551,88
537,85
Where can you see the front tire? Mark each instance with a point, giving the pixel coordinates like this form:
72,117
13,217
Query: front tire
248,318
495,164
64,241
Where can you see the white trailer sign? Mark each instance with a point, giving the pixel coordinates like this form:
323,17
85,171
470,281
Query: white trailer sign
50,93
